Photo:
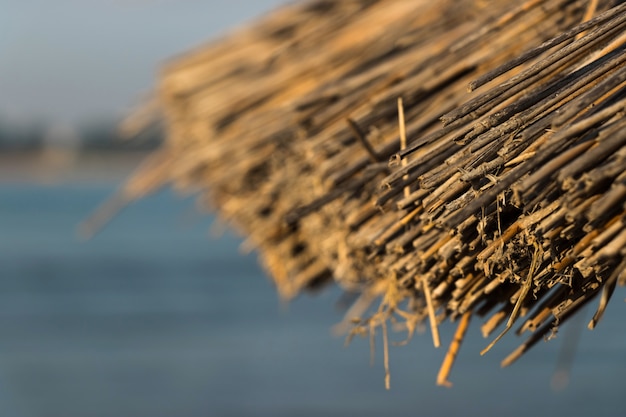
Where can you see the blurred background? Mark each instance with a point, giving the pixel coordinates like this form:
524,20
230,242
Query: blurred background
154,317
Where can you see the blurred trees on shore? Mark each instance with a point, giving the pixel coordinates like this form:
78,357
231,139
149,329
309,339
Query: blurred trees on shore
98,135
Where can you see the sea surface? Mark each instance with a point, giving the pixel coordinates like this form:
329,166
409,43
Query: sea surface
153,317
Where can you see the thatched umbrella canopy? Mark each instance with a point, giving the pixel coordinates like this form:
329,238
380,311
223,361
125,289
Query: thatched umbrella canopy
506,202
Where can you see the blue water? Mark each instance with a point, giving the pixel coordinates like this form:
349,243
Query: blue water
154,318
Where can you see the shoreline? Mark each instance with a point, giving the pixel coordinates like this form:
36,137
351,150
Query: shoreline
58,166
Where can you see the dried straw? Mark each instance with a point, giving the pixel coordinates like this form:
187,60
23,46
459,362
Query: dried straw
512,209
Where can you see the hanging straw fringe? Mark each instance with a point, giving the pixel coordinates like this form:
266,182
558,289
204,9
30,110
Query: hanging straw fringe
512,209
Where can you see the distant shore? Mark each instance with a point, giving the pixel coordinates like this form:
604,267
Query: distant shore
54,166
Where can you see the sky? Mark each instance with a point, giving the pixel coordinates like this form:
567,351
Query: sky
68,61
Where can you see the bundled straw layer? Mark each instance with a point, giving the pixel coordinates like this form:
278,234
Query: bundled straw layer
505,203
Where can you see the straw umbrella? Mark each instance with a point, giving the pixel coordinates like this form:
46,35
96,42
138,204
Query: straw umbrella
340,138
